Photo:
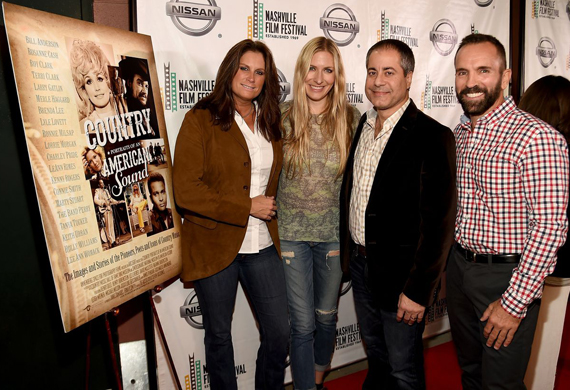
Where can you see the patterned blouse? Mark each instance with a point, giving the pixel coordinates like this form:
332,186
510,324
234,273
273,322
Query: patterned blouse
308,204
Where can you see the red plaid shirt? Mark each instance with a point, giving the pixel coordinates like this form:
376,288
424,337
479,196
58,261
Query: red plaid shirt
512,183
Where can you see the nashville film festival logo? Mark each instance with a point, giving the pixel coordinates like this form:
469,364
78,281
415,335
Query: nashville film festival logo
273,24
284,86
199,378
401,33
438,96
348,28
544,9
546,51
443,36
194,380
183,94
185,14
347,336
352,96
191,312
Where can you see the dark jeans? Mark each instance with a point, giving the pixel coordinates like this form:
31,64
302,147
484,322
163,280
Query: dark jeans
471,287
394,349
263,281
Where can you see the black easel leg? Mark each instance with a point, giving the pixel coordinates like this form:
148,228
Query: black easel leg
88,357
113,355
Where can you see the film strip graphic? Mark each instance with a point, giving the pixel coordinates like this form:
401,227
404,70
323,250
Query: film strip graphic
384,32
170,103
535,8
194,380
257,19
426,94
249,27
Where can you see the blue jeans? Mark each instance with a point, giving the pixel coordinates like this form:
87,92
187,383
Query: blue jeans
313,274
261,276
394,349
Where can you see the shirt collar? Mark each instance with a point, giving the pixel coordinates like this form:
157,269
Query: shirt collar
497,114
391,121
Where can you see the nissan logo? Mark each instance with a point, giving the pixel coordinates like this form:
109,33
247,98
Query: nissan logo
443,36
181,11
191,312
347,26
546,51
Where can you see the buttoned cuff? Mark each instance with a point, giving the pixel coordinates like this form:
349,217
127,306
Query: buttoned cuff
513,306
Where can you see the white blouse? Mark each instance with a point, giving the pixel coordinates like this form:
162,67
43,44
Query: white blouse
261,154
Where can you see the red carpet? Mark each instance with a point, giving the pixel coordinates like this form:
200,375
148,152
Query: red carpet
443,373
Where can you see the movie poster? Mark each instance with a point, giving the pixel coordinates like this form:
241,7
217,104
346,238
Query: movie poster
99,152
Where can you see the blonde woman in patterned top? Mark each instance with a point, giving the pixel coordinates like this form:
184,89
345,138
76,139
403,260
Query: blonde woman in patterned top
318,126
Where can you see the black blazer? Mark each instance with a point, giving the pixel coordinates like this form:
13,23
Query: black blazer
410,217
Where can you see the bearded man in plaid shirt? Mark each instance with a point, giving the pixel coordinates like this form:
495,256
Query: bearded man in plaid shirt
512,183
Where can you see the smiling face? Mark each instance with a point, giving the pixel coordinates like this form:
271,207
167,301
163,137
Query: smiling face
480,79
386,85
158,195
98,91
94,161
319,80
249,79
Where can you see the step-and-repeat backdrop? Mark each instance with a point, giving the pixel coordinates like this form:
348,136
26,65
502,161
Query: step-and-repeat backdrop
547,39
190,40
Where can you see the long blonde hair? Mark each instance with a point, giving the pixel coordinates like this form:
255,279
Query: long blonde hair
338,116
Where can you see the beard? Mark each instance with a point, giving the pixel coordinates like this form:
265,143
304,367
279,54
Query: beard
479,107
143,98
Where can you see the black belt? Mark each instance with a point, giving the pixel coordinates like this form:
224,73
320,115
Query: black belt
485,258
361,250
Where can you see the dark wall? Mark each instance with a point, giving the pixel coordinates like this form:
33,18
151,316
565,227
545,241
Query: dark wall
34,350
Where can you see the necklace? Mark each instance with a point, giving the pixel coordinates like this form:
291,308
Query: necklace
248,113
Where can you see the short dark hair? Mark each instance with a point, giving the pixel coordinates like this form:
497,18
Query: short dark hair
407,61
473,39
154,177
130,66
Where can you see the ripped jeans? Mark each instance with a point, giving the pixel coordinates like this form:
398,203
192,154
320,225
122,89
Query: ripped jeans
313,274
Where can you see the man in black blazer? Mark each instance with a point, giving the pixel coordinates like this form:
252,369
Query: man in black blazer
398,203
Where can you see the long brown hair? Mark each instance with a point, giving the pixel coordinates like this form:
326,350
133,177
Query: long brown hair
548,98
220,102
337,120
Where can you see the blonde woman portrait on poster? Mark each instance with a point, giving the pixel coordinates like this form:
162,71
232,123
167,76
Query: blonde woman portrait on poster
226,170
318,126
89,67
93,162
138,205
